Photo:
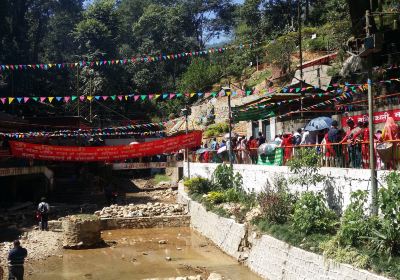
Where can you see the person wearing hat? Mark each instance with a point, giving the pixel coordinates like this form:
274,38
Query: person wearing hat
43,211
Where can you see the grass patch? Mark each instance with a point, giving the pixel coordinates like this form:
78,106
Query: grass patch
286,233
258,77
161,178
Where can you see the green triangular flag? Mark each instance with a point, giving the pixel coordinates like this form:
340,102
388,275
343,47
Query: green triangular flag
113,97
143,97
178,94
248,92
214,94
320,94
35,98
73,97
298,89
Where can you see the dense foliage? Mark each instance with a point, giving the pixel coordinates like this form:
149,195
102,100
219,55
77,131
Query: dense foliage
44,31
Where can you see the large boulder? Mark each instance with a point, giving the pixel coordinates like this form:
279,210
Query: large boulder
81,231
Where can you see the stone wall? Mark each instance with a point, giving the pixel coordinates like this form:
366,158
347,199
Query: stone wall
340,183
81,232
145,222
265,255
225,233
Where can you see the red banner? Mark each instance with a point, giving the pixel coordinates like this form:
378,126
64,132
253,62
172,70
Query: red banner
379,117
107,153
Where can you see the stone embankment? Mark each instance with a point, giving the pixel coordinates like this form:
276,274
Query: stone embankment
141,210
265,255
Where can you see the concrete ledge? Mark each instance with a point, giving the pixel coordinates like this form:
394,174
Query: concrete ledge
266,255
145,222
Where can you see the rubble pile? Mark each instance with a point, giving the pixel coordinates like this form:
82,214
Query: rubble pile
40,245
141,210
167,194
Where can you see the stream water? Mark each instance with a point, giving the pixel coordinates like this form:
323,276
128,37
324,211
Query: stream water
138,255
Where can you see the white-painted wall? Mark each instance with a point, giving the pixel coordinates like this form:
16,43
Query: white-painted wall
340,183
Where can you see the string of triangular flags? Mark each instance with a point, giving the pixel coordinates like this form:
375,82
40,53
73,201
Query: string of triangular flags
263,104
139,58
333,89
121,98
331,101
107,131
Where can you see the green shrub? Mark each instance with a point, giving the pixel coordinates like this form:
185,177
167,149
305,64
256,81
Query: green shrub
216,129
197,185
276,204
347,254
386,239
215,197
232,195
311,215
305,165
355,224
223,178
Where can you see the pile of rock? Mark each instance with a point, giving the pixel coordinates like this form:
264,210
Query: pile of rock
167,194
40,245
141,210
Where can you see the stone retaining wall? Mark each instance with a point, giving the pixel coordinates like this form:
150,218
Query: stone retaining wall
145,222
265,255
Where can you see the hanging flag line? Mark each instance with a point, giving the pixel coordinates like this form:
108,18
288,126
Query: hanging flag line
334,89
108,131
120,98
139,58
343,97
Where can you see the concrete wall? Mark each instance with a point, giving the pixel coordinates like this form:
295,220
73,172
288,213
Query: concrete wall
225,233
265,255
340,183
145,222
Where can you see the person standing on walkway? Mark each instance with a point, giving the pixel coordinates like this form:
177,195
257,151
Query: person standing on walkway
16,259
44,209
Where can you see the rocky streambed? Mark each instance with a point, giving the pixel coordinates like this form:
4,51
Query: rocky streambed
141,210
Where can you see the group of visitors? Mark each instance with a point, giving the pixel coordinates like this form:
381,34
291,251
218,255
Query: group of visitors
244,150
347,147
339,147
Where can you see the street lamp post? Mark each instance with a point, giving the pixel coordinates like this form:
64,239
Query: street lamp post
229,93
185,112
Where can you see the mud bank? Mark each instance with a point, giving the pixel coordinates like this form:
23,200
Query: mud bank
265,255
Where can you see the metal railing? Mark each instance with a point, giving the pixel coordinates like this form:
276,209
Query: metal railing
340,155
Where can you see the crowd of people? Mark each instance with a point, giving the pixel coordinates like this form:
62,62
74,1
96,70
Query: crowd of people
338,147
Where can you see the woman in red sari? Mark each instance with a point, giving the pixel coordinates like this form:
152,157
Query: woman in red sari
365,145
287,145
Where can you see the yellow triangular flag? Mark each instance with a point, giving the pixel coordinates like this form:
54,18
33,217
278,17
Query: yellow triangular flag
228,92
10,100
50,98
126,97
97,63
89,98
192,94
156,96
